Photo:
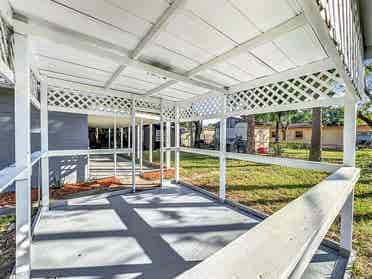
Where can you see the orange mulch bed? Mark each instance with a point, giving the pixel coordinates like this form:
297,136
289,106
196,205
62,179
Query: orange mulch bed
9,199
155,175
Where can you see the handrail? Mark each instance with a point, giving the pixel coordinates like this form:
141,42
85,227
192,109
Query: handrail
79,152
206,152
282,245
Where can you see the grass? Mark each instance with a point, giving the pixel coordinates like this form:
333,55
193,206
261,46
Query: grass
269,188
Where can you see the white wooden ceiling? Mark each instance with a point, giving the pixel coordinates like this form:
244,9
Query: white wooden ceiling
194,34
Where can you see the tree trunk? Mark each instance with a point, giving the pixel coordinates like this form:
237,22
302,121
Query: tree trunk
251,124
198,130
316,135
277,135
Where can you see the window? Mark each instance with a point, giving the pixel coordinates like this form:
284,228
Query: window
299,134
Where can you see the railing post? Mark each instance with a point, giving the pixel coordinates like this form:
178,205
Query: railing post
109,138
138,141
121,138
150,143
141,144
161,145
129,129
44,143
349,143
22,156
222,189
177,144
115,146
133,145
167,144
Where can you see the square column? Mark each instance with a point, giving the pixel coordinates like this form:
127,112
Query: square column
222,188
44,143
167,144
22,156
129,129
138,141
150,143
115,145
349,142
133,120
177,144
141,144
161,146
121,138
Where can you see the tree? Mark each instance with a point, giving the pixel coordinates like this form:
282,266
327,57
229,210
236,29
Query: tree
198,130
365,113
316,135
251,125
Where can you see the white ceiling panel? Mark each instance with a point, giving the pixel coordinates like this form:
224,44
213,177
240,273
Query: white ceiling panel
149,10
301,45
216,77
225,17
145,76
164,56
180,46
62,52
189,88
194,30
57,14
265,14
135,83
273,56
59,76
77,70
233,71
110,14
251,65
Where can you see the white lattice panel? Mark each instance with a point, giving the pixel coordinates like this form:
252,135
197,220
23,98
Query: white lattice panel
70,99
169,113
147,105
208,107
317,86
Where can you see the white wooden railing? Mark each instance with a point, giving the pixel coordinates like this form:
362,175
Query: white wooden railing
282,245
13,172
343,21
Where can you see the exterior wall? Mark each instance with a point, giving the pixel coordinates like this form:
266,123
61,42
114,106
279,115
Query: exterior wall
66,131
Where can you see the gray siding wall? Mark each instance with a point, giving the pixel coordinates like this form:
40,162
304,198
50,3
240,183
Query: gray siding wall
66,131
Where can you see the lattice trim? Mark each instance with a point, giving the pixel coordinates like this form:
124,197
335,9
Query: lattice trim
208,107
66,98
34,86
169,113
317,86
147,105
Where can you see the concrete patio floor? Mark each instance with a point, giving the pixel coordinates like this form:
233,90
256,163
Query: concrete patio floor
155,234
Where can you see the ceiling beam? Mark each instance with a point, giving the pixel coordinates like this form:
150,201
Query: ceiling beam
245,47
70,38
154,31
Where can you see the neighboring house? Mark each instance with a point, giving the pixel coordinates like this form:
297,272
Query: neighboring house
66,131
332,136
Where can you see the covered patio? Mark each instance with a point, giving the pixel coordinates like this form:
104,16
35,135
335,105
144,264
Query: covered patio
142,62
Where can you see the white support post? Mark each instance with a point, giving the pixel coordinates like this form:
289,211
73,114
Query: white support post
133,145
109,138
177,144
150,143
161,145
222,189
141,144
22,156
115,146
121,138
129,129
44,143
167,144
138,142
349,142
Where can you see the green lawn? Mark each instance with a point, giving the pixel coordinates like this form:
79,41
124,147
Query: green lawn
269,188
